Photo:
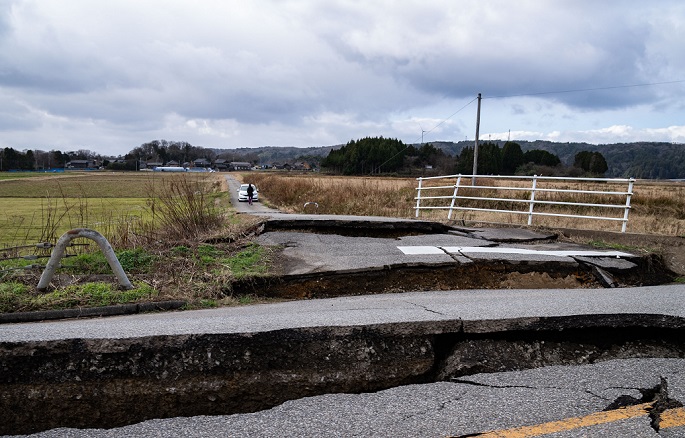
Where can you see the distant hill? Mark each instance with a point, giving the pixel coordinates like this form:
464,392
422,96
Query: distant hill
276,154
651,160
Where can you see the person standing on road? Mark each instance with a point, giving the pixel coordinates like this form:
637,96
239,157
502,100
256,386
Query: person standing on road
250,193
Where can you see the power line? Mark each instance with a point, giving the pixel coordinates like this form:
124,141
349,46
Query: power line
613,87
444,120
426,132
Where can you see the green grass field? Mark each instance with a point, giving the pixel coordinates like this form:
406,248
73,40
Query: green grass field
41,207
32,220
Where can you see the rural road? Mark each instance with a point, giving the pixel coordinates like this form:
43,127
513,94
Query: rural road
552,401
557,401
546,397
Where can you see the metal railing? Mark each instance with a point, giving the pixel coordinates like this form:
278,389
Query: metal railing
532,195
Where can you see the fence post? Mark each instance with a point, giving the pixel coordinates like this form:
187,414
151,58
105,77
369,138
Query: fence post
628,196
532,200
418,196
454,196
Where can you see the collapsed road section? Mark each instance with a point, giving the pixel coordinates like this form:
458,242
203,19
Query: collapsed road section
104,383
326,257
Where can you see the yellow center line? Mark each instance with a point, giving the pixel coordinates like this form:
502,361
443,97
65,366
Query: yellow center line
672,418
573,423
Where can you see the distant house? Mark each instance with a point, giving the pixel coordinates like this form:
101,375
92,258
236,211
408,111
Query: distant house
221,164
202,162
172,163
239,165
81,164
151,164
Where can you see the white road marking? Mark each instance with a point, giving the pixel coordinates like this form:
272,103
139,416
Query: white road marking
427,250
421,250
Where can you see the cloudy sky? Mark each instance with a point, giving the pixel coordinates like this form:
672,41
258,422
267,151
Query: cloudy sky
111,75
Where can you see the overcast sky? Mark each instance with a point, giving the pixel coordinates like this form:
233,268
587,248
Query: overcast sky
111,75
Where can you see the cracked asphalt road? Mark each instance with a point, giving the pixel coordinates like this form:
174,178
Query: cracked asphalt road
472,405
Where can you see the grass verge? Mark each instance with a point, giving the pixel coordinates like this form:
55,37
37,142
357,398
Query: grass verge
184,243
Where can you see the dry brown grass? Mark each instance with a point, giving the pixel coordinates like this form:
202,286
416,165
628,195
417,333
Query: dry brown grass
657,207
391,197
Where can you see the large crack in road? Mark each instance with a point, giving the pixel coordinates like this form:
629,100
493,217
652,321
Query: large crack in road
110,383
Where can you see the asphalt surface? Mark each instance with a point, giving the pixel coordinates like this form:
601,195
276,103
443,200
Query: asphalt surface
464,305
470,405
475,404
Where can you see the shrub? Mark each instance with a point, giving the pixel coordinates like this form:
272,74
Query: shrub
183,207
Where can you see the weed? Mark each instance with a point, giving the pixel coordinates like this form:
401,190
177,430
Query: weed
131,260
12,295
208,304
180,250
250,261
87,263
17,297
246,299
135,260
183,207
208,254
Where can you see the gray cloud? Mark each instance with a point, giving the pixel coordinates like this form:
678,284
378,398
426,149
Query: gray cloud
300,72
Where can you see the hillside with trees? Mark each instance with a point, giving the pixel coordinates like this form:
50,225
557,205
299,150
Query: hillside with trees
376,155
649,160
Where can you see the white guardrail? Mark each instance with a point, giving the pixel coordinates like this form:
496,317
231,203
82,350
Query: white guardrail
531,188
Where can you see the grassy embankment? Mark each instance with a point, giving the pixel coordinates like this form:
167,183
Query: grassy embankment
174,234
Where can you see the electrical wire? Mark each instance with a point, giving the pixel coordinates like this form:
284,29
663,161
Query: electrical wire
426,132
579,90
454,114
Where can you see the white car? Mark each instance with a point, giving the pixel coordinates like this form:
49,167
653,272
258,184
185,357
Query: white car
242,193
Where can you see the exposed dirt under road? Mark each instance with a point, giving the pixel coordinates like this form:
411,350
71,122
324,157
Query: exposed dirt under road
657,261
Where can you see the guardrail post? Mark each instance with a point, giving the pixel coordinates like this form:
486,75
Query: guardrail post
418,196
532,200
628,196
58,253
454,197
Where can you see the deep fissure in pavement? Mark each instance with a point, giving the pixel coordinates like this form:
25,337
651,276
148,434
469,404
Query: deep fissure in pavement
114,382
449,276
586,272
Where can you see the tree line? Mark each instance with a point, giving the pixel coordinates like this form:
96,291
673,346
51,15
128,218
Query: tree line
162,151
11,159
373,155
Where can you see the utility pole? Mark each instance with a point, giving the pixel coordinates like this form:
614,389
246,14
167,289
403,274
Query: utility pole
475,146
